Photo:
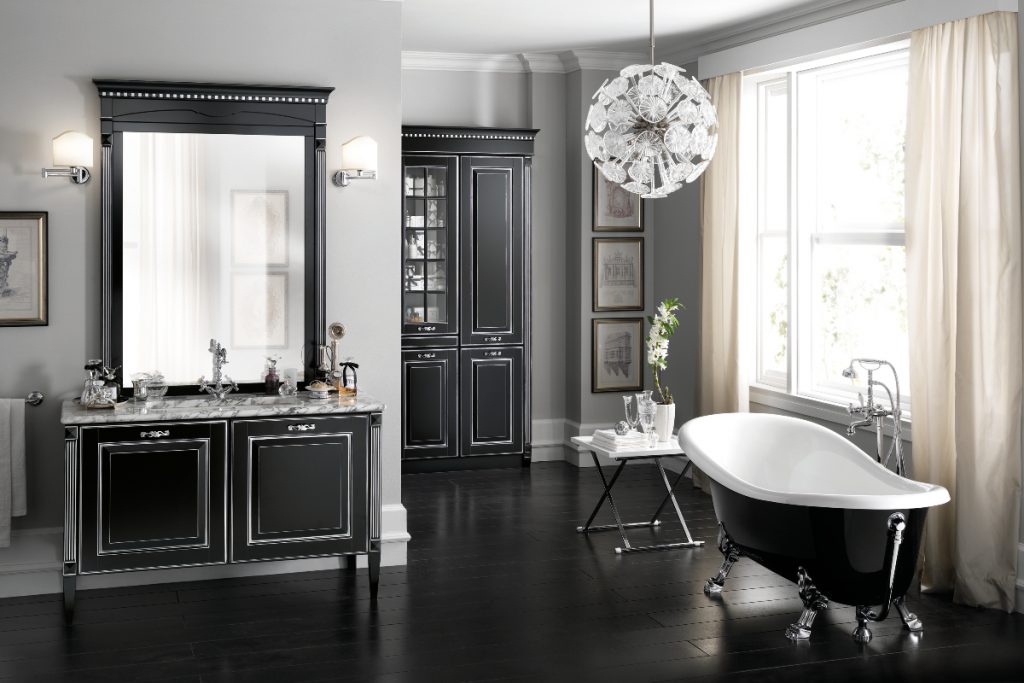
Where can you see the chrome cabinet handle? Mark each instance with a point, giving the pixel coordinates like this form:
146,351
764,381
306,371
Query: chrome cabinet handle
308,427
155,434
428,328
492,339
492,354
426,355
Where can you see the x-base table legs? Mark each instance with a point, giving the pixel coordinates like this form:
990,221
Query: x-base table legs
669,496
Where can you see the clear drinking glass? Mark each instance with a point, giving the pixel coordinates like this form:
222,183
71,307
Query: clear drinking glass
647,409
632,414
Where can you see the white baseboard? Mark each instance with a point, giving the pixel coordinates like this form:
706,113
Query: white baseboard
32,564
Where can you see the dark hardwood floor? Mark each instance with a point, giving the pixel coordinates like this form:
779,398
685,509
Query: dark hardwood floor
500,587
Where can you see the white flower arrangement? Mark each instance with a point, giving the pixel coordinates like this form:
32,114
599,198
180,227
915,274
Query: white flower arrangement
663,325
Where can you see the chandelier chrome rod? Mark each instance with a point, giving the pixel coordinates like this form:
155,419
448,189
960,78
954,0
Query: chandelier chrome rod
652,32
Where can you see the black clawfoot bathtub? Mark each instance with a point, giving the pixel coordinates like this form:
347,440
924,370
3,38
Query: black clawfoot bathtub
808,504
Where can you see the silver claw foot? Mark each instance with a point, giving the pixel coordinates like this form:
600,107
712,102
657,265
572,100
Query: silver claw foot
813,601
713,586
862,634
910,620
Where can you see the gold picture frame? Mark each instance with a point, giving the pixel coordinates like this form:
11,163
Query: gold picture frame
23,268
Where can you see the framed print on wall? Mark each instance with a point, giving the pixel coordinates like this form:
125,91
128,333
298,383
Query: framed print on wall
259,227
616,348
615,209
618,274
23,271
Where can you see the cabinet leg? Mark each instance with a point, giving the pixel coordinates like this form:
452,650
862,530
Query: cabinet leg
373,560
69,598
349,562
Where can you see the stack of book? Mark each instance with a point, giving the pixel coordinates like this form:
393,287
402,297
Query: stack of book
610,441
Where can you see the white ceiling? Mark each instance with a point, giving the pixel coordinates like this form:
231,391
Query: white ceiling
513,26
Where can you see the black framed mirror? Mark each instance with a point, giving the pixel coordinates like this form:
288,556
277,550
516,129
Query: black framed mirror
213,228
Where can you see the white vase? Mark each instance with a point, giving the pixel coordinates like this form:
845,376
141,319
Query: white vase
665,421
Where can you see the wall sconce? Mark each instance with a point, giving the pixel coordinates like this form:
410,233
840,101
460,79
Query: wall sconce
72,153
358,161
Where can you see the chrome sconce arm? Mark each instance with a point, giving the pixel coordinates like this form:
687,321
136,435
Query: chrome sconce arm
79,174
344,178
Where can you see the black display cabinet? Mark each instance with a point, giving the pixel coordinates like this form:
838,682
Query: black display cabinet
466,297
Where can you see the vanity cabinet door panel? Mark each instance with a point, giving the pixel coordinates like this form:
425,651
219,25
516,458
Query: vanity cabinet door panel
429,407
153,496
492,250
299,487
492,401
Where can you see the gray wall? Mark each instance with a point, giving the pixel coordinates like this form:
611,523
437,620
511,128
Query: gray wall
465,98
52,49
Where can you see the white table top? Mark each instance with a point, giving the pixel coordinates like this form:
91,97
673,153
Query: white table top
669,448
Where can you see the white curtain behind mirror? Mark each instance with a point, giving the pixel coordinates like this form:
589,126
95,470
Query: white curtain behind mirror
166,311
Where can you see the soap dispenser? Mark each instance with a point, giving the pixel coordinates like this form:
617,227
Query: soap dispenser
273,380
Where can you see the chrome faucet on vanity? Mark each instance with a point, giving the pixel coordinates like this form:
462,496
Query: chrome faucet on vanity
219,388
873,413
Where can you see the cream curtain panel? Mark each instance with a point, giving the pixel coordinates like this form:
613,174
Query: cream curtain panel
723,386
964,285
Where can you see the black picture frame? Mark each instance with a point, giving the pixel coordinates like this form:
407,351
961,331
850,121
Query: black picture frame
602,220
626,357
611,275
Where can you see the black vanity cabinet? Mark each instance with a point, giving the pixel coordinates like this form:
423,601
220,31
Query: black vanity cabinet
296,487
157,486
466,349
155,496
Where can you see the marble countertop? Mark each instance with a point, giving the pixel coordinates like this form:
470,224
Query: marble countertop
181,408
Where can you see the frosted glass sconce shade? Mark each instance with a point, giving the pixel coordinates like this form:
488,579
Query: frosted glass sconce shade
72,149
72,155
358,161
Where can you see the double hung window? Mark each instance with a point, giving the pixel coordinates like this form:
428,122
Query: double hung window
823,147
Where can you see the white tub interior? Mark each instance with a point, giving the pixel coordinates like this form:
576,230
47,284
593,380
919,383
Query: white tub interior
788,460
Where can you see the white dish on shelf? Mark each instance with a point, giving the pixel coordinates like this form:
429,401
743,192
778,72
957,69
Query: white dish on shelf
320,393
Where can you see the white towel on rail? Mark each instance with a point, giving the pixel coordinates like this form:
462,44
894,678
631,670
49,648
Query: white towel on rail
12,465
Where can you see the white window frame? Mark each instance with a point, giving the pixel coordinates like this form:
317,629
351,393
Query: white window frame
787,391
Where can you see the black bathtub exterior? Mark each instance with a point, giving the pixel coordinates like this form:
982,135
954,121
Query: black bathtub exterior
842,550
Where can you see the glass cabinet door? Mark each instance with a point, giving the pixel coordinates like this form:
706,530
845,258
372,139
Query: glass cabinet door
428,276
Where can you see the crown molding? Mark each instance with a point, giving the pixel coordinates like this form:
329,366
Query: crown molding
772,25
542,63
527,62
461,61
579,60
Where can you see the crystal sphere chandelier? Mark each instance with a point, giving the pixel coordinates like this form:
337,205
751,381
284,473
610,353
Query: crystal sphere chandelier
651,128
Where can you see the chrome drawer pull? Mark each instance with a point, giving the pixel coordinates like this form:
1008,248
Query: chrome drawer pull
492,354
428,328
302,428
155,434
426,355
492,339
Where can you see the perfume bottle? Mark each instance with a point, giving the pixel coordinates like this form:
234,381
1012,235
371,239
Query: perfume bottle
272,380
